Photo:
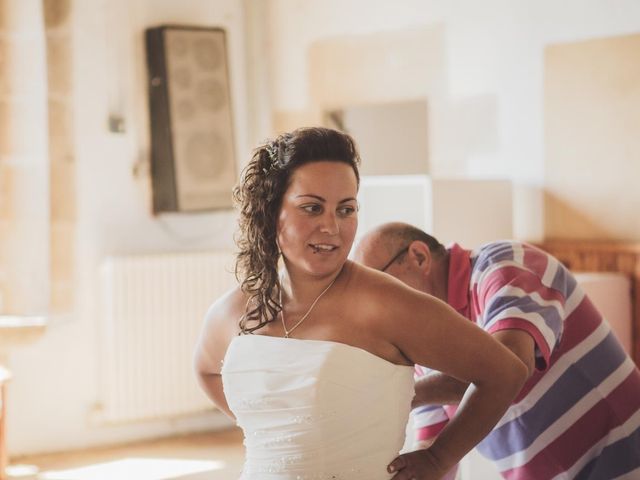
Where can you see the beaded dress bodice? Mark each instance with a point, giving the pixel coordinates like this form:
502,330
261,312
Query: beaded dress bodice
314,409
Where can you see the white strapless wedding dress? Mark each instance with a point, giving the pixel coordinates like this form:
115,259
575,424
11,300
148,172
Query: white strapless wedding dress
314,409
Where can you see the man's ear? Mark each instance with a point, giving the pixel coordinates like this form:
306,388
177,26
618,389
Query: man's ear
420,254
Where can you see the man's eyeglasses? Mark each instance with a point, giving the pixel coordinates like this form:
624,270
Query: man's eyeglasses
395,258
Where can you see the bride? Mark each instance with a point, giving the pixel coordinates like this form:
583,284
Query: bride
315,361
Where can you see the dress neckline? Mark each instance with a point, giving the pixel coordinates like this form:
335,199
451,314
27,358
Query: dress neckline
331,342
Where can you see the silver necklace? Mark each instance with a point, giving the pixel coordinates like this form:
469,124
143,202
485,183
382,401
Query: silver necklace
304,317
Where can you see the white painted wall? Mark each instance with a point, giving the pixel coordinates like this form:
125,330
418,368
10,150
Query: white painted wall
56,380
436,205
390,130
494,51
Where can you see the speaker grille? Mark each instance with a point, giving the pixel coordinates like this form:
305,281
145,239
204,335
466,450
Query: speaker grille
189,76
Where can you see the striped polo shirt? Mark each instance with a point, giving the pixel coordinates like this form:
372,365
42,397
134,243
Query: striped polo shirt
578,415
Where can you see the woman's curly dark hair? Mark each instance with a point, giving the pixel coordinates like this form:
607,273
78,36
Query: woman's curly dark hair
259,196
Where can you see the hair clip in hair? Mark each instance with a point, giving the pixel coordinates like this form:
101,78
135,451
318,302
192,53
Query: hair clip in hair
273,153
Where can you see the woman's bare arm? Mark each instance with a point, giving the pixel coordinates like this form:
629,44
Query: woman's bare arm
220,326
428,332
436,388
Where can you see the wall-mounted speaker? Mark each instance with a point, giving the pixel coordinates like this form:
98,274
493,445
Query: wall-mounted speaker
193,166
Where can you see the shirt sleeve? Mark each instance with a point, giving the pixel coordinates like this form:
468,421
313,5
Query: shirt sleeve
514,297
428,422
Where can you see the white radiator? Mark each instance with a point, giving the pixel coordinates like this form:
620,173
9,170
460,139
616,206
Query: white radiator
153,308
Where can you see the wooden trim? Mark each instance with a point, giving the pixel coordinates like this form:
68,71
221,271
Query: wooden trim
604,256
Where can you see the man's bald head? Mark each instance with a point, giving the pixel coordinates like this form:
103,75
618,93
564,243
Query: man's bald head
379,245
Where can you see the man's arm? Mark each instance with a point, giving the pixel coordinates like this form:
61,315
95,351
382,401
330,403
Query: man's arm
436,388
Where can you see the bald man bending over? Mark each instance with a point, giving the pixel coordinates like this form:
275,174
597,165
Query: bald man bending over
578,415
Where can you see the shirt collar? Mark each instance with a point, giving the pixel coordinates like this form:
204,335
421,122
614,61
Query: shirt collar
459,278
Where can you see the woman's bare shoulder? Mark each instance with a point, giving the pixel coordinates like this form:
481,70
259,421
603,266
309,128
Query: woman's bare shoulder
389,298
376,294
369,281
382,307
220,326
226,311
